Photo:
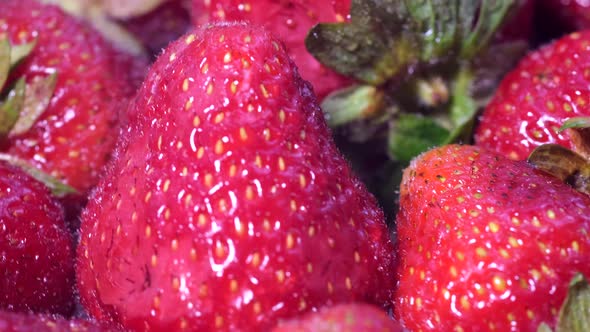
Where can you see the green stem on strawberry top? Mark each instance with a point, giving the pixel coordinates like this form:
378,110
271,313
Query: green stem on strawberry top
431,63
574,314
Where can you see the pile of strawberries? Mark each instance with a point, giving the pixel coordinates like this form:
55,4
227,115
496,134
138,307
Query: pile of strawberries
294,165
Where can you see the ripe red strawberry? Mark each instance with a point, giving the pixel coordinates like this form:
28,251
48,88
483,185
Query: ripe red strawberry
28,322
36,248
342,318
290,20
486,243
73,137
533,101
228,206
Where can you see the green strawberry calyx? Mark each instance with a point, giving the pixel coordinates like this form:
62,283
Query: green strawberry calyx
574,315
21,104
431,64
57,187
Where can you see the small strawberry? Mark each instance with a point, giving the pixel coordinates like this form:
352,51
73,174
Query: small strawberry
486,243
290,20
36,248
342,318
28,322
227,205
87,82
548,87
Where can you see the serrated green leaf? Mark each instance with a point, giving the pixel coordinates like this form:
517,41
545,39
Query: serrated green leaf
4,61
352,103
414,134
38,94
10,109
58,188
492,13
575,123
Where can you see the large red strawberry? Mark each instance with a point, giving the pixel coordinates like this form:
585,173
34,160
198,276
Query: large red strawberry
72,135
228,206
548,87
351,317
486,243
36,248
28,322
290,20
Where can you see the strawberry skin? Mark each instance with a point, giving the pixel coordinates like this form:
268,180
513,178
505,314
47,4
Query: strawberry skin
486,243
37,255
74,136
28,322
289,20
351,317
548,87
228,205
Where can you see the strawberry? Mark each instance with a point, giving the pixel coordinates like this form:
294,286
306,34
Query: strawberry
486,243
290,20
342,318
37,255
28,322
74,133
227,205
548,87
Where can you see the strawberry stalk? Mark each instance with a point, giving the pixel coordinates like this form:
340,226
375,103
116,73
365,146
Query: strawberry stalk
424,69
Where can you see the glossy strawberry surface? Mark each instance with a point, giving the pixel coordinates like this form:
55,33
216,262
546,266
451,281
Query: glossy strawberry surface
486,243
351,317
549,86
36,248
289,20
74,136
228,205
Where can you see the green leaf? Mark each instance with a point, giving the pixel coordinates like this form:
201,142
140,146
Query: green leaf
492,13
564,164
372,48
38,94
20,52
575,123
351,104
414,134
463,107
58,188
10,109
4,61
